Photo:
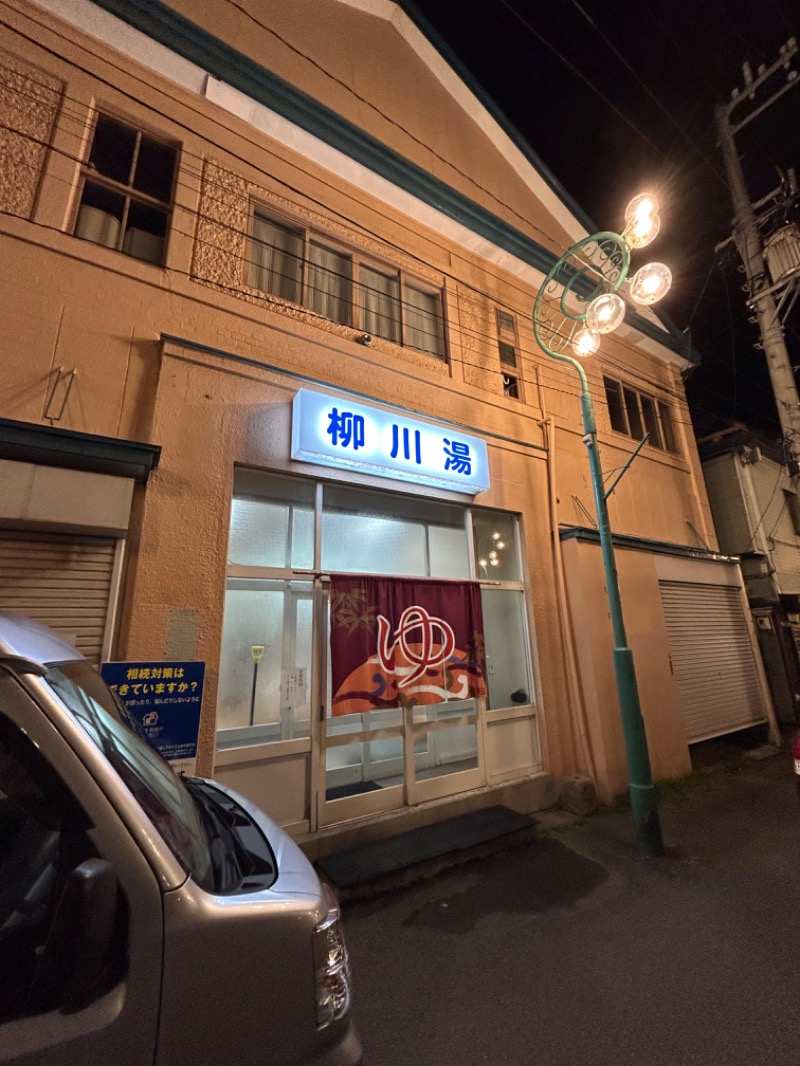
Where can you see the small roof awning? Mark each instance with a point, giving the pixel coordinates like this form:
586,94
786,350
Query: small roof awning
27,442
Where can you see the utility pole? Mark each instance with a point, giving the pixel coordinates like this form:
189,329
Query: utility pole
747,238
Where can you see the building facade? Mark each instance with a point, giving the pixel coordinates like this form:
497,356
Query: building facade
228,229
756,511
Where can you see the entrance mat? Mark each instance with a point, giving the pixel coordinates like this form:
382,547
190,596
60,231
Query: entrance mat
343,791
418,853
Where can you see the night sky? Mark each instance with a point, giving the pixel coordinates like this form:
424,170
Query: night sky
617,97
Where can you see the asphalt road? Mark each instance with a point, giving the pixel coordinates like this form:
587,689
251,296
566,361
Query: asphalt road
575,951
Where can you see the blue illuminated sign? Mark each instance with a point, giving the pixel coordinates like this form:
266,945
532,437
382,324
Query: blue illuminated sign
337,432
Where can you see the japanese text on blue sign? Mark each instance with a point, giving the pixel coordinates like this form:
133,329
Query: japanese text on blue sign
334,432
165,699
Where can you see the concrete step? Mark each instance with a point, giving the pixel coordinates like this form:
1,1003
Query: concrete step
385,865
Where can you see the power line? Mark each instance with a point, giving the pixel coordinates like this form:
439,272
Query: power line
664,110
532,29
489,297
197,173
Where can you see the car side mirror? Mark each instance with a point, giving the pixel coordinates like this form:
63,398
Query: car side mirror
78,948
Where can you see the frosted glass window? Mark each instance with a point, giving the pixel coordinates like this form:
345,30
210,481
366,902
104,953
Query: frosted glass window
369,533
371,544
449,557
507,658
272,522
495,546
265,665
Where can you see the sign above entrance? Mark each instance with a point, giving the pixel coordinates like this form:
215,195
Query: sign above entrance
336,432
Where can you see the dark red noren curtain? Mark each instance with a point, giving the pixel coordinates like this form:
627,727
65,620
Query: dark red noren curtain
401,641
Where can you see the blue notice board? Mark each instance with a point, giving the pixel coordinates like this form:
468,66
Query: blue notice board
165,699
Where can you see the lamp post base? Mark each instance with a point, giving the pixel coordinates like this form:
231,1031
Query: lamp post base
644,805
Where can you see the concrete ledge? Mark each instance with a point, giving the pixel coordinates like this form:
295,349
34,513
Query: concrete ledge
578,795
386,865
526,796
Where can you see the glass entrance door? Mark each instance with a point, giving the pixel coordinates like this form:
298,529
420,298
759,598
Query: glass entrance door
392,757
276,732
396,757
265,692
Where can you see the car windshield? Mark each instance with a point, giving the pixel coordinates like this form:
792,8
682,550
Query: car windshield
153,782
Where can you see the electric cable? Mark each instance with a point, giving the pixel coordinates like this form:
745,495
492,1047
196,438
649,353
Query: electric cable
247,235
522,352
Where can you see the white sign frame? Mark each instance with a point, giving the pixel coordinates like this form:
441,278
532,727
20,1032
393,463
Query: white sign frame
332,431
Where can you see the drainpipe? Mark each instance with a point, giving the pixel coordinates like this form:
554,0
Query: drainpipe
576,700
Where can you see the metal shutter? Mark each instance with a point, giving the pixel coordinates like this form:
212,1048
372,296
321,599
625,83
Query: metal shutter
63,581
713,658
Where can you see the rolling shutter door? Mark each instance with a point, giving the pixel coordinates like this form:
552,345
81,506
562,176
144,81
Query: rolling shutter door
713,658
63,581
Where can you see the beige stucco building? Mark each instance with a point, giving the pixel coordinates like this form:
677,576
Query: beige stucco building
210,208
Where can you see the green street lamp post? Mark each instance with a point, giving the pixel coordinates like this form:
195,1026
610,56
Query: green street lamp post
577,303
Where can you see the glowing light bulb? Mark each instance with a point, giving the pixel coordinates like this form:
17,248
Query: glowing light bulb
501,544
641,220
650,283
641,206
642,231
495,562
483,562
586,342
605,312
495,536
492,555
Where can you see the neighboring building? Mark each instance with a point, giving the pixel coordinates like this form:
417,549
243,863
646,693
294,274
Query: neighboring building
207,209
756,511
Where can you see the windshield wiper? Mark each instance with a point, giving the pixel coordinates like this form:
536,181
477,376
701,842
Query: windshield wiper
225,850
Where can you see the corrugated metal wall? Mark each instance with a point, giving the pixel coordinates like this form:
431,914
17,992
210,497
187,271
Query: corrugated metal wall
713,658
63,581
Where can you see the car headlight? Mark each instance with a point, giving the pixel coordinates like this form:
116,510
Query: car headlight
331,965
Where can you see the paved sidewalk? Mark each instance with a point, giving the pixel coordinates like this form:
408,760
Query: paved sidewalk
576,951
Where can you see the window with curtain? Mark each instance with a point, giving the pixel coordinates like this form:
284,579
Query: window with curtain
507,344
423,321
276,260
379,303
127,190
329,283
307,269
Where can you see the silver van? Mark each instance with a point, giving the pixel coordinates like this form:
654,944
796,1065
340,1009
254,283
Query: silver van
146,918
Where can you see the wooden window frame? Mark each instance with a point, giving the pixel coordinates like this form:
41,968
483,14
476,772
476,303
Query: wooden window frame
631,405
91,177
358,261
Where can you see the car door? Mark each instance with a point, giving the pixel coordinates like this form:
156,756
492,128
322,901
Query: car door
81,923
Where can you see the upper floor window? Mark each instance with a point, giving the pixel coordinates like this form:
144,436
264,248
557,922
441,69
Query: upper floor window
335,283
792,506
126,197
507,346
635,413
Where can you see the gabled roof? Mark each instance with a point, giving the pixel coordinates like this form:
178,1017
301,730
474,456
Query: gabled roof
372,81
